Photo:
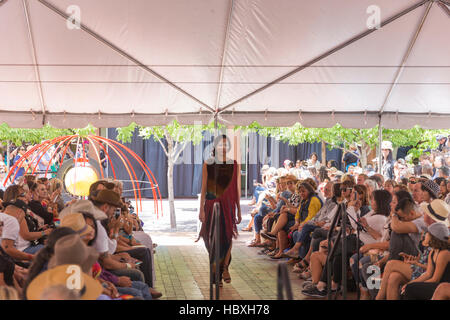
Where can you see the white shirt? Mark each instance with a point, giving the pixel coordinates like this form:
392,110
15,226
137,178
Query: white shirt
10,227
21,244
11,231
375,221
103,243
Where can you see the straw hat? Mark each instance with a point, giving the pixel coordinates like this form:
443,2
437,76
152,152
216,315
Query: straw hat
90,288
77,223
71,249
437,210
83,206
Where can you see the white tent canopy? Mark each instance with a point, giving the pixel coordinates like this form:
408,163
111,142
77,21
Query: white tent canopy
277,62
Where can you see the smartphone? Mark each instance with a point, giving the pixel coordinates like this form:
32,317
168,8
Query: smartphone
117,213
355,196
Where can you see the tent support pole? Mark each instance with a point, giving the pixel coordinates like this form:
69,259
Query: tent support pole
326,54
33,54
224,53
405,58
380,140
8,155
124,54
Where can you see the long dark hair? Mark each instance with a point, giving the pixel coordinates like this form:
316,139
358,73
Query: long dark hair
389,157
44,255
383,200
90,216
216,142
323,174
309,188
363,190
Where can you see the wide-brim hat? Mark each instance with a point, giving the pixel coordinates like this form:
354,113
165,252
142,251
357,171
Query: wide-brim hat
108,196
76,222
437,210
84,206
71,249
90,289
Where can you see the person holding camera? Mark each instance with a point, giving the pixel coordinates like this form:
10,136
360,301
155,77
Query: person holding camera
110,203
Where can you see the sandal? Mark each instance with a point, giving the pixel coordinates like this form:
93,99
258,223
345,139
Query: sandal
254,244
275,257
296,269
226,276
249,229
292,261
302,265
306,275
273,252
287,255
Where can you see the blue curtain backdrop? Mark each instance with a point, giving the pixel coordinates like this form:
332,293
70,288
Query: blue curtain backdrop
188,169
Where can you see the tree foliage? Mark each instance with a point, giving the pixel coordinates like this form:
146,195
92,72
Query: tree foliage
19,136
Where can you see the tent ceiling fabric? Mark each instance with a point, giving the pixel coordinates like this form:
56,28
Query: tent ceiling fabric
152,61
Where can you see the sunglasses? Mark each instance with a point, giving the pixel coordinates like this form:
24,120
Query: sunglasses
412,182
346,189
22,195
290,182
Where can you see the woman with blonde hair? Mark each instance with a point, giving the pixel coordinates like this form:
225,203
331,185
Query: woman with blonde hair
55,192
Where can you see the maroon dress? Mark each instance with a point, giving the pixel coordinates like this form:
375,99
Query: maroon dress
221,188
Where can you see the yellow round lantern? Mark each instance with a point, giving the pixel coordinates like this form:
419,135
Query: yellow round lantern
79,179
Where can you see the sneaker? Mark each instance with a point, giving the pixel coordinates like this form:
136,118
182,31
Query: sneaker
314,292
306,283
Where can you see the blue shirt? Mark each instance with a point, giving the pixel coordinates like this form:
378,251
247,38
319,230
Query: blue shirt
21,171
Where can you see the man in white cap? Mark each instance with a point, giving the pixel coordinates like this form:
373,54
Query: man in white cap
436,211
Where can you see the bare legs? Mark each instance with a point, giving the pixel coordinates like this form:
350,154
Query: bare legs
396,273
318,260
226,275
281,222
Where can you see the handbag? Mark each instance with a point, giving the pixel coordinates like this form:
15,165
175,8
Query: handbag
33,226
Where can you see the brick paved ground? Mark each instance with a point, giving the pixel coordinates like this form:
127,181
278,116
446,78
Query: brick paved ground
182,270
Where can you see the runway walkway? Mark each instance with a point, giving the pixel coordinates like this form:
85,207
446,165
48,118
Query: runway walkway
182,270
